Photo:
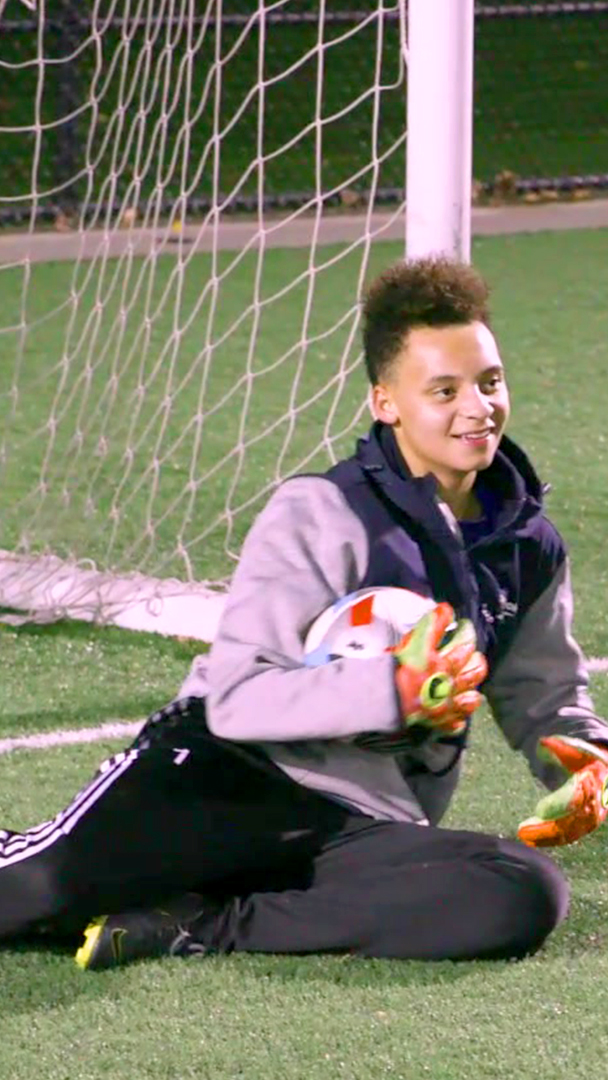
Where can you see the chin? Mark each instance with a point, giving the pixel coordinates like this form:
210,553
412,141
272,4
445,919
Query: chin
474,459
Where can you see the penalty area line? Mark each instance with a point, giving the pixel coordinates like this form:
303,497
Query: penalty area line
46,740
117,729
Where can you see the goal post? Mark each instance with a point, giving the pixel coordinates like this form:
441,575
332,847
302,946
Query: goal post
185,335
440,47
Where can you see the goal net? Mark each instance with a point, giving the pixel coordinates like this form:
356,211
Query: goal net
191,192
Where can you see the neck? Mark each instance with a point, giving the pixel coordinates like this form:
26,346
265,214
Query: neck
463,503
455,488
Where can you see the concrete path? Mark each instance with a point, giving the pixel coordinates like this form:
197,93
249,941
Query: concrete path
291,231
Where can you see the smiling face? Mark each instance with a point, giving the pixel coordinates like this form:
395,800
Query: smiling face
447,400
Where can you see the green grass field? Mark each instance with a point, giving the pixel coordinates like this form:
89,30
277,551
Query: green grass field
550,318
249,1017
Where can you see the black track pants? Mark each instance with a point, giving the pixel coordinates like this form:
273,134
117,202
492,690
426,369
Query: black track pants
184,811
404,891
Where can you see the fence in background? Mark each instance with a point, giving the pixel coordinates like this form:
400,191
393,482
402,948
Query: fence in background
541,99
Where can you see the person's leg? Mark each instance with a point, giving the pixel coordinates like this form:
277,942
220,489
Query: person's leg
409,892
179,810
378,890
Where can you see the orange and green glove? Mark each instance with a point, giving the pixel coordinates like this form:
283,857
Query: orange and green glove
579,805
437,683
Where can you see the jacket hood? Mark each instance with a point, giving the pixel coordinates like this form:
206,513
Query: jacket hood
514,484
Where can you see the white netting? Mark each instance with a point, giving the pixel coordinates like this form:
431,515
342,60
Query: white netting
212,177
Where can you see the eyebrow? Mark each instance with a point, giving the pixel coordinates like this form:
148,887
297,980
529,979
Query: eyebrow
494,369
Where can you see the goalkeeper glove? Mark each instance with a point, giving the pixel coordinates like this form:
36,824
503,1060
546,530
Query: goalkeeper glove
437,683
579,805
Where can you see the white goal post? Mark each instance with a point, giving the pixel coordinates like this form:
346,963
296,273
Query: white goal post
179,312
439,169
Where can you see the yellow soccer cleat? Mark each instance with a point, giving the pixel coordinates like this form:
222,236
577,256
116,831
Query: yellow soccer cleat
86,953
183,927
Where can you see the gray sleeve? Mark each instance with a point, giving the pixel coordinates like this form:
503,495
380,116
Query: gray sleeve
306,549
541,687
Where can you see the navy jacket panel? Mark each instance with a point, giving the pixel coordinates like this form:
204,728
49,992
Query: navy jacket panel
412,543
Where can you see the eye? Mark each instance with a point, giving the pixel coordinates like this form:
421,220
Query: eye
444,393
492,383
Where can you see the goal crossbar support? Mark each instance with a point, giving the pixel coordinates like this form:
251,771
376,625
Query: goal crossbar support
57,589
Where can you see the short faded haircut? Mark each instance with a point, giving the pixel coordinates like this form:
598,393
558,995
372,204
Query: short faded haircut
436,291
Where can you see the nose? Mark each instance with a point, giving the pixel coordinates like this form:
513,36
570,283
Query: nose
475,404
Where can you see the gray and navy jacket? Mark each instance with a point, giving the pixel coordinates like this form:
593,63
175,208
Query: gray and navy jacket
368,522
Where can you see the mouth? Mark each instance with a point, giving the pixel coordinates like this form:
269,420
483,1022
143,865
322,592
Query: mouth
476,438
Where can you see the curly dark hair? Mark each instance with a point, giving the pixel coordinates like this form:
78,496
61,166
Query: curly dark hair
434,291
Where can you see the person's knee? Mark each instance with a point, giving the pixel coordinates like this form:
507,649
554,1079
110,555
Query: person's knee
538,894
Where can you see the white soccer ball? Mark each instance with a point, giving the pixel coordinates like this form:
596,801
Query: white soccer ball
364,624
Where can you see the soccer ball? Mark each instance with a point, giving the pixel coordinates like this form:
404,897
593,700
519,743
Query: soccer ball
364,624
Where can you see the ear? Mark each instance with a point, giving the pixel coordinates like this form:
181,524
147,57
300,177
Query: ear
382,405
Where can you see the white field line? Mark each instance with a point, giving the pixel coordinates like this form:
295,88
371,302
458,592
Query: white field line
44,740
117,729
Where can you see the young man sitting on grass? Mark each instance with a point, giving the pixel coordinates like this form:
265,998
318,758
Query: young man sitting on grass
276,807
